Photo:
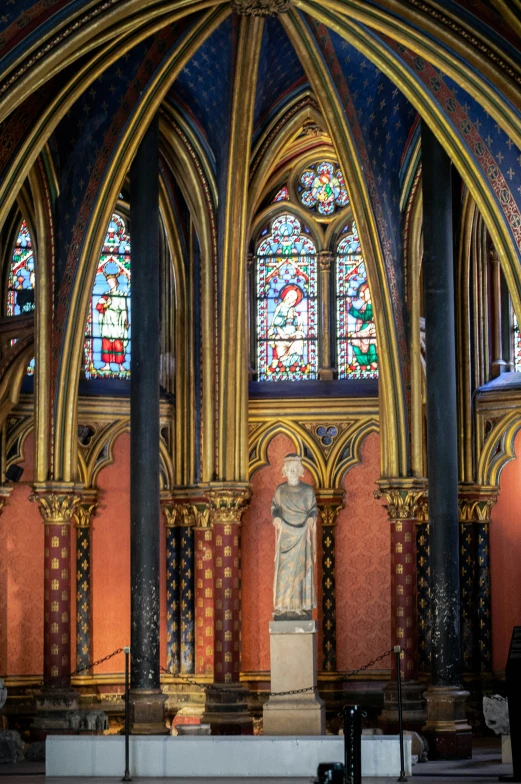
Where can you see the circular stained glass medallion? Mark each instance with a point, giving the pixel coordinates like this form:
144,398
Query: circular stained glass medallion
322,188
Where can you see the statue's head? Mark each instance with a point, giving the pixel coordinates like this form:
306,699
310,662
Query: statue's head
293,468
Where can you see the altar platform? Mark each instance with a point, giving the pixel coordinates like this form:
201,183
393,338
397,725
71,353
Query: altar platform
263,757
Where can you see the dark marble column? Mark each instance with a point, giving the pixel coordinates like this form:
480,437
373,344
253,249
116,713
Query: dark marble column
146,701
447,729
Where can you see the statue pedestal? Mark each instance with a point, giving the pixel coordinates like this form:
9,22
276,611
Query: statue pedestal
293,650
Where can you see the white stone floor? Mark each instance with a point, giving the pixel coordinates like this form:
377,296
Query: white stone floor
484,768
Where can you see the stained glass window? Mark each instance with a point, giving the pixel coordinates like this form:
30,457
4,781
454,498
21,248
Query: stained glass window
20,287
322,189
282,195
286,303
107,336
356,332
517,346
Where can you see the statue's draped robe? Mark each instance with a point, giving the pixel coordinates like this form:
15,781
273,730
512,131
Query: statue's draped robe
294,582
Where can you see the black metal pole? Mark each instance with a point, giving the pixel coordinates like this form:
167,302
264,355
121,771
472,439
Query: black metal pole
127,776
442,445
144,417
397,651
352,744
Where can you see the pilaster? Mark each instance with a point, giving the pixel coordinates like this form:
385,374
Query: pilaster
403,498
329,502
83,515
180,517
57,504
475,504
226,707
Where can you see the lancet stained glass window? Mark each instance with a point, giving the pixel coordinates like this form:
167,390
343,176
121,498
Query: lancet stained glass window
322,189
107,336
20,288
517,346
356,332
286,303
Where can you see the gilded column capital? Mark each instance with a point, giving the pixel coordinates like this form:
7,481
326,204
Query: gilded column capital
5,492
228,500
57,503
86,509
493,255
260,7
186,508
404,498
475,503
330,502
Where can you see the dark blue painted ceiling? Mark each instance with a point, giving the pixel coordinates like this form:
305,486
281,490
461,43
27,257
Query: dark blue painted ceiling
280,72
385,117
204,87
81,136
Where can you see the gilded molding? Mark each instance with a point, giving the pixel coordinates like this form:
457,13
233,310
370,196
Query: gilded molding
392,400
113,177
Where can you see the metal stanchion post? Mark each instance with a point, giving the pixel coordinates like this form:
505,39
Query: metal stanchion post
352,744
397,651
127,776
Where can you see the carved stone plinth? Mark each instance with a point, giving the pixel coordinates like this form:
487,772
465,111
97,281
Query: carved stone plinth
226,710
413,703
147,712
447,731
293,653
54,708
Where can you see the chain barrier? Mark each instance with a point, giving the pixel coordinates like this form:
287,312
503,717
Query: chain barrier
224,689
214,688
90,665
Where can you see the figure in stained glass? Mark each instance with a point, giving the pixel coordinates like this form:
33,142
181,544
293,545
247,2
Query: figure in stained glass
322,188
357,345
113,323
107,339
20,288
286,303
286,331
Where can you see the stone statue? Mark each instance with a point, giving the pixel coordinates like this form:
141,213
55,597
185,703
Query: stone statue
294,511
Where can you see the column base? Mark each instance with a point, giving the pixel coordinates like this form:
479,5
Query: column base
147,712
413,705
54,712
447,732
226,710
